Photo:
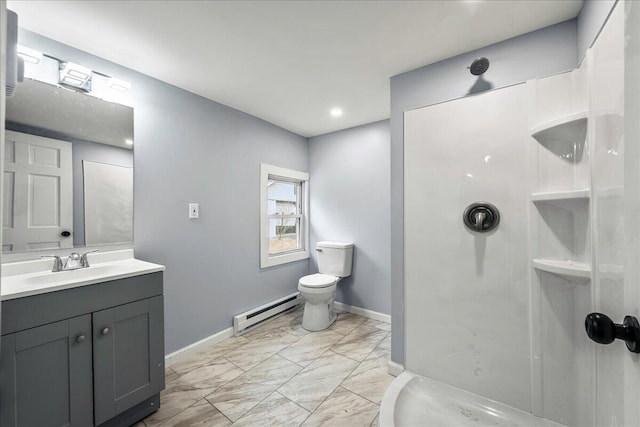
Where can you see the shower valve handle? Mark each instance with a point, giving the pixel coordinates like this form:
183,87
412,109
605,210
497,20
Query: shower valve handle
481,217
601,329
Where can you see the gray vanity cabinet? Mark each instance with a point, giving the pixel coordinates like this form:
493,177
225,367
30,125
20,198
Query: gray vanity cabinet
127,368
44,375
87,356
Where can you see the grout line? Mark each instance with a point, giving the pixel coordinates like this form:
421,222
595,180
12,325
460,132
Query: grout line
224,358
297,404
213,406
289,360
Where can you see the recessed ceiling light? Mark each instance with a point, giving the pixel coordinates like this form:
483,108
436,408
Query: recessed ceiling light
336,112
128,141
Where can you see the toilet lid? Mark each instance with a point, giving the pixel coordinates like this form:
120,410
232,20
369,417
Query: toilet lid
317,281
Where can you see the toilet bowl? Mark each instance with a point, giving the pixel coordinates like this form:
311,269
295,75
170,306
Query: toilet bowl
318,290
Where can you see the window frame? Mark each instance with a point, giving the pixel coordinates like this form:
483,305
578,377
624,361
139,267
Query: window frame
268,172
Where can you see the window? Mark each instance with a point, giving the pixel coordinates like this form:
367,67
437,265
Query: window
283,215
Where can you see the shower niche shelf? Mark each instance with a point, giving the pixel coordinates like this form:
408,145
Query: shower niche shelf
569,128
560,196
571,270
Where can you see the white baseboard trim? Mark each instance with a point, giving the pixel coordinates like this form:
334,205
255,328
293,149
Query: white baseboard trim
370,314
187,351
394,368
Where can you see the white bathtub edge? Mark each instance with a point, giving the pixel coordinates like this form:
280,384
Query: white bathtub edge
388,404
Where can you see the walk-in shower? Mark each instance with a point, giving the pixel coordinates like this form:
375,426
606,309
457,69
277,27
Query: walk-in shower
495,316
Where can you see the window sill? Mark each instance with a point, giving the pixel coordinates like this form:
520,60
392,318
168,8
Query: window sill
274,260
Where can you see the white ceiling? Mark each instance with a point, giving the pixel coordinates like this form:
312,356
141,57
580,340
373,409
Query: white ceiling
287,62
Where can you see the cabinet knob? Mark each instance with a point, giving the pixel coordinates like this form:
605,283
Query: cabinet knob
80,338
105,331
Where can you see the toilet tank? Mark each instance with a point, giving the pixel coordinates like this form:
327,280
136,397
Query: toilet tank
335,258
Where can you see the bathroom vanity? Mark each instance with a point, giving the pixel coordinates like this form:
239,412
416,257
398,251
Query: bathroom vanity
82,347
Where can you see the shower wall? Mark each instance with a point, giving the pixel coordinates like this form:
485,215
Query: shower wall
501,314
467,293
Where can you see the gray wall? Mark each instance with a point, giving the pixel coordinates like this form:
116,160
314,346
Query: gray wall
349,176
590,21
540,53
190,149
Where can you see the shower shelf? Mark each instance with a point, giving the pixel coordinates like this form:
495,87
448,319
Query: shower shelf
559,196
570,128
571,269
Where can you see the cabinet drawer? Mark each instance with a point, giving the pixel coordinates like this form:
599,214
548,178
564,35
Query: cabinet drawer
29,312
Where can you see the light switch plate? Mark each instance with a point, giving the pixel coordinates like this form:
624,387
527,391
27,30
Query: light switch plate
194,210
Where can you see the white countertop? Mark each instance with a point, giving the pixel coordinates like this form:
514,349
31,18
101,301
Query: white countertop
28,278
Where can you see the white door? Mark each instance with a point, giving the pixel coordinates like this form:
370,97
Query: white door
38,201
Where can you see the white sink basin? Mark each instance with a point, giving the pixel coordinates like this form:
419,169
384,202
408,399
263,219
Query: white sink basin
27,282
72,275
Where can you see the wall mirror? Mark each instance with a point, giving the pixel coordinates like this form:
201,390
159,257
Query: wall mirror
68,170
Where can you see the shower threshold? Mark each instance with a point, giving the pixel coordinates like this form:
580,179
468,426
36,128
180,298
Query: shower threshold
413,400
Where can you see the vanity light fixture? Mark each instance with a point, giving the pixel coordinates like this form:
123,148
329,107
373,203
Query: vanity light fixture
128,141
75,76
29,55
336,112
119,85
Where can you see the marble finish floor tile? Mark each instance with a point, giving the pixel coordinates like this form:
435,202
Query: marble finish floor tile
385,344
280,374
188,389
172,402
169,375
346,322
239,396
201,414
371,378
271,325
259,349
360,342
208,355
375,422
207,378
224,347
295,327
378,324
275,410
318,380
343,408
310,347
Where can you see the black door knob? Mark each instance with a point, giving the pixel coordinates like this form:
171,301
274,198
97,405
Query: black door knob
601,329
65,233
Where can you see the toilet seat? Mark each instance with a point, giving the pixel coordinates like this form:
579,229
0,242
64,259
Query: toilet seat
315,281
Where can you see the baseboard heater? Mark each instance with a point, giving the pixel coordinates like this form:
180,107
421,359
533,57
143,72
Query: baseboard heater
247,320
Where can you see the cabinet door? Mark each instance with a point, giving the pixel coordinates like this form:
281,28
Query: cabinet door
128,356
45,376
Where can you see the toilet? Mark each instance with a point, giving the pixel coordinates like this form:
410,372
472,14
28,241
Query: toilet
318,290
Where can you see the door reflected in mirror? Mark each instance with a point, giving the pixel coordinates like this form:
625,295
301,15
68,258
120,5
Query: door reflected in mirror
68,179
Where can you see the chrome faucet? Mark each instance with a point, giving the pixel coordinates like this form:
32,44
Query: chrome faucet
74,261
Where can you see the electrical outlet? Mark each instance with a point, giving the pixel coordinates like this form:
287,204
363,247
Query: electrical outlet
194,210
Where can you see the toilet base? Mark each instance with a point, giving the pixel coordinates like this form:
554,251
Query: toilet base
318,317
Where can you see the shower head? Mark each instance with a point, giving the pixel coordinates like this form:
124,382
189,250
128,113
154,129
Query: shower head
479,66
